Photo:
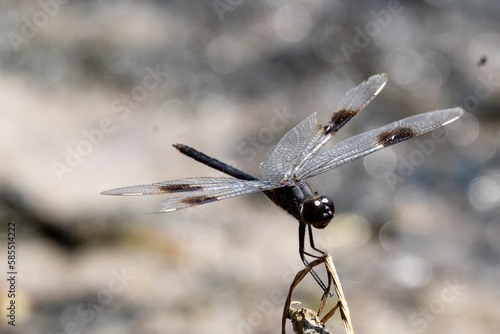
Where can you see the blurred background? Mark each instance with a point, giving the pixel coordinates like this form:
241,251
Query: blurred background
94,93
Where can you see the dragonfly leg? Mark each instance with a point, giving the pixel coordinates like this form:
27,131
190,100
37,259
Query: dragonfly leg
311,241
302,236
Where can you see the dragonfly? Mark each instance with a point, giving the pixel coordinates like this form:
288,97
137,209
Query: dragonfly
298,156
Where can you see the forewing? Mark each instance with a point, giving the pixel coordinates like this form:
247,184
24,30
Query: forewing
355,99
290,148
304,141
374,140
198,190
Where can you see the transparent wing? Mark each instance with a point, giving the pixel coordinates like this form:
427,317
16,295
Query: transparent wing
303,141
290,148
198,190
374,140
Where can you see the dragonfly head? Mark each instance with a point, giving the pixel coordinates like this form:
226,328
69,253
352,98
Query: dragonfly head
317,211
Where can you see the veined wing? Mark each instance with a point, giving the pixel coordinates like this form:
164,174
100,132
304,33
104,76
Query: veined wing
307,138
374,140
290,148
198,190
356,99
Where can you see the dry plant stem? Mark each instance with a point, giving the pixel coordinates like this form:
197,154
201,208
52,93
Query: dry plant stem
341,304
330,313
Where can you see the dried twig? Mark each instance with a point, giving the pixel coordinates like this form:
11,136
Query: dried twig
307,321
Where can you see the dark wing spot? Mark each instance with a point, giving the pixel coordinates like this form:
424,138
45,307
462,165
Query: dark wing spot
174,188
197,200
394,136
338,120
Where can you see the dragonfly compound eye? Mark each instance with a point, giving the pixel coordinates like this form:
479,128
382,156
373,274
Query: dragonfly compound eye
317,211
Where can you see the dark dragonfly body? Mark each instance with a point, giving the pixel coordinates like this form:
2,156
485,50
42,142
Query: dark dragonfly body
299,155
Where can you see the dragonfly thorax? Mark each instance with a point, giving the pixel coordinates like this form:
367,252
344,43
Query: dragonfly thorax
317,211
